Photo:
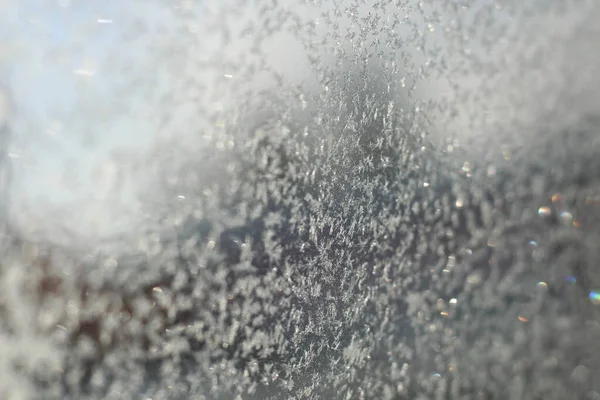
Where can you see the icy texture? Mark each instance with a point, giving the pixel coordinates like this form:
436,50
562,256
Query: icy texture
341,200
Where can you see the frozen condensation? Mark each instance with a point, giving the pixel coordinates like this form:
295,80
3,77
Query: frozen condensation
386,199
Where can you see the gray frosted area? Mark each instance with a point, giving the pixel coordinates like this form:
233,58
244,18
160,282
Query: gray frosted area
266,199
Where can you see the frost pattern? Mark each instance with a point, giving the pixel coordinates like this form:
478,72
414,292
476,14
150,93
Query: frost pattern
343,200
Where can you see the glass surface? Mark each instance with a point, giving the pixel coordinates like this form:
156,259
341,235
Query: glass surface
304,199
